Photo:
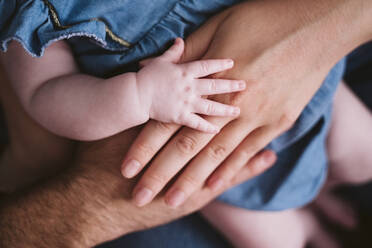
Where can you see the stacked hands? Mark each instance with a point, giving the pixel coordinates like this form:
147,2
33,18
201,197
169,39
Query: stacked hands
176,90
282,50
278,88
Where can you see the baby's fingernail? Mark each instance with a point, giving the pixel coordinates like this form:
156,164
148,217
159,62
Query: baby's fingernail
130,168
143,196
175,198
235,111
242,85
230,62
215,184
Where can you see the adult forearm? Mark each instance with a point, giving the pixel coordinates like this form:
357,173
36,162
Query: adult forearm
50,215
338,26
71,210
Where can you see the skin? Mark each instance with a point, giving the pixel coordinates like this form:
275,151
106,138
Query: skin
71,217
75,209
83,107
283,64
12,211
298,227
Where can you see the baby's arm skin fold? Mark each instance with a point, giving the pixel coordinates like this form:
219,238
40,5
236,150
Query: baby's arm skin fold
67,102
83,107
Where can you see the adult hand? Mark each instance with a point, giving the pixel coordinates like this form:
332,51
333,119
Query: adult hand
109,195
90,203
283,50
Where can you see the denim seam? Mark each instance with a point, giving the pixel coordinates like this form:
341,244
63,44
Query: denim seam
145,35
5,42
53,14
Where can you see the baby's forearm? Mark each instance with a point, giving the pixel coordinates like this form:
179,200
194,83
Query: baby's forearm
83,107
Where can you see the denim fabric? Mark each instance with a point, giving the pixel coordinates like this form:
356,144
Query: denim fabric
147,27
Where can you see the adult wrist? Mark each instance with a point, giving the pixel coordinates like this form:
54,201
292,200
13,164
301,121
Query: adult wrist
351,22
103,218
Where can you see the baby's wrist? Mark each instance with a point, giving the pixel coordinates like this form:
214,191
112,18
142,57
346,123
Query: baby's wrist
144,93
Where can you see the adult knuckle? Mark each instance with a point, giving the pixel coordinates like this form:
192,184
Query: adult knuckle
247,153
186,144
155,180
190,182
217,152
229,171
144,149
164,127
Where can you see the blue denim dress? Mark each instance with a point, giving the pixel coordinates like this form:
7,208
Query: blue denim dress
109,37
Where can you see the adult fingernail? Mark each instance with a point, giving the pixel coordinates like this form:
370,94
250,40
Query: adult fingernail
230,62
215,184
175,198
131,168
143,196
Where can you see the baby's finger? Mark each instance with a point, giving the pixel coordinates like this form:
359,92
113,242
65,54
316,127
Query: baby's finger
208,107
196,122
203,68
218,86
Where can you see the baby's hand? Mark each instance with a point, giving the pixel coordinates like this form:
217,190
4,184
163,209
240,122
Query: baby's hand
173,92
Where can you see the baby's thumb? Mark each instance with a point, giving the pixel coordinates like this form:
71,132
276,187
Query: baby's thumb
174,53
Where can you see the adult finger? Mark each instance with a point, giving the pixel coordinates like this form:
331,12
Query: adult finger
152,137
173,157
254,167
251,145
199,41
174,53
203,165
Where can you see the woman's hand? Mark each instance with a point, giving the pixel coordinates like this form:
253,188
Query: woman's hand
283,50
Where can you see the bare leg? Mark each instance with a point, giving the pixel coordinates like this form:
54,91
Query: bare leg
350,139
32,151
262,229
349,150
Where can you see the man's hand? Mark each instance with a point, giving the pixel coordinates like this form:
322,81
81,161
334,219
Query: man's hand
283,50
90,203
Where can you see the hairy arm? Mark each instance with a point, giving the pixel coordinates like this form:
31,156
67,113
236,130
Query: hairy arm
90,202
69,103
